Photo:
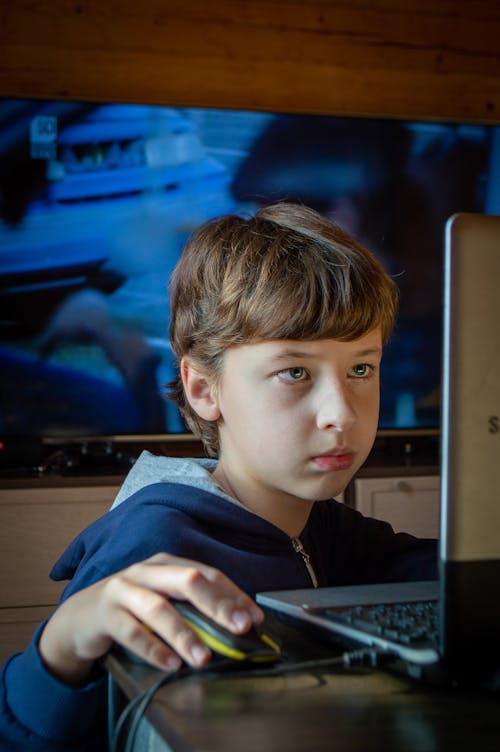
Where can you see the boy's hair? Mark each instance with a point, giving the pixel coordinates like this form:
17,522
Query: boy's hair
285,273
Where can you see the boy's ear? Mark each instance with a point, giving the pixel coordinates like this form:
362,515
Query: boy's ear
200,390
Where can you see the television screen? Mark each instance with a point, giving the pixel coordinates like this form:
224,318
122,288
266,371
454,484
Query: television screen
97,200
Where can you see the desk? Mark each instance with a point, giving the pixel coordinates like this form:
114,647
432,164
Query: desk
360,710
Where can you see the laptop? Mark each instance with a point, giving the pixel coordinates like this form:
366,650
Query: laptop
460,637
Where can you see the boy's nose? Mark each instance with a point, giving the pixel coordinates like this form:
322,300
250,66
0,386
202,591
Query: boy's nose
335,411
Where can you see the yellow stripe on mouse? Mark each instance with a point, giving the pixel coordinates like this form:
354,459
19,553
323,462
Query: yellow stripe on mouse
254,645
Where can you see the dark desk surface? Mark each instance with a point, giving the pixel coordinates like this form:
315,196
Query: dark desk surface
351,711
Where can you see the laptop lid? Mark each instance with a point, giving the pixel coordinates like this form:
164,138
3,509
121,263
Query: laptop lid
470,464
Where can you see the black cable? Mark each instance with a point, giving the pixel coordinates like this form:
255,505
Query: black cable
137,707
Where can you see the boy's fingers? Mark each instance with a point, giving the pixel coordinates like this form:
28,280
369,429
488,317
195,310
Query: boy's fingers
149,625
144,644
207,588
133,608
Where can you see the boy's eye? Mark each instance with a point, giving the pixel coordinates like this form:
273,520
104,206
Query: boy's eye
297,373
361,370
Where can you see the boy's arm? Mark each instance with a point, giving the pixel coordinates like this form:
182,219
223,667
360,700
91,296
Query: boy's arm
132,608
42,714
49,693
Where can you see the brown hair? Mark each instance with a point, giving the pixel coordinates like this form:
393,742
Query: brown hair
285,273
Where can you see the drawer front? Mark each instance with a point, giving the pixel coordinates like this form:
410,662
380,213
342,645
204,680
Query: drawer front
410,504
36,525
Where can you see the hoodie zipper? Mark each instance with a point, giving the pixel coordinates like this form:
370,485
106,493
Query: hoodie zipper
299,549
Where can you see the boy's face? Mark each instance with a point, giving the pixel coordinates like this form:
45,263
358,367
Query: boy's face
296,419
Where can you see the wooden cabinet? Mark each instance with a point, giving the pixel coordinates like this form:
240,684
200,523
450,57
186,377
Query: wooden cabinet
36,525
410,504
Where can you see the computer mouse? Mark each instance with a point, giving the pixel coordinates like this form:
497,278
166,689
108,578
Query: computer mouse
255,645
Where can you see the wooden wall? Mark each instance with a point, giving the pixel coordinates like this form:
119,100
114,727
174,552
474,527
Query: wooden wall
437,59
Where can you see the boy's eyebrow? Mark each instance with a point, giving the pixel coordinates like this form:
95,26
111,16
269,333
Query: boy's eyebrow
369,351
300,354
284,354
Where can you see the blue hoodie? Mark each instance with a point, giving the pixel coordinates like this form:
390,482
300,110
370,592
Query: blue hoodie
173,506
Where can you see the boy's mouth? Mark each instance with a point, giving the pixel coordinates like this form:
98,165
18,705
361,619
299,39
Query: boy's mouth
337,459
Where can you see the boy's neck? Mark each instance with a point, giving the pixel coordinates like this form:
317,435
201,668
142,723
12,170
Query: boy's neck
288,514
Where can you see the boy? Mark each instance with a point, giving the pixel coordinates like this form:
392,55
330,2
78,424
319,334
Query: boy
278,323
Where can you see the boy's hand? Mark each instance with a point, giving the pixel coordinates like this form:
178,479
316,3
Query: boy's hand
130,606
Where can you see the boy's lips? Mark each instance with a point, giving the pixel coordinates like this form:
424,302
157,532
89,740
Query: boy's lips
336,459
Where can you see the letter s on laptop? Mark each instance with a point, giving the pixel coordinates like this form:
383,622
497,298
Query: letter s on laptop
456,635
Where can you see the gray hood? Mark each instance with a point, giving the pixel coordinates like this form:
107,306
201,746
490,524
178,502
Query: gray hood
150,468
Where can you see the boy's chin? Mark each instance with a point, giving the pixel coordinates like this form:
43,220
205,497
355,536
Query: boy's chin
325,493
332,489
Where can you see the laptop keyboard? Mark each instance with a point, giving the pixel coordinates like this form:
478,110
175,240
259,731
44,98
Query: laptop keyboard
411,623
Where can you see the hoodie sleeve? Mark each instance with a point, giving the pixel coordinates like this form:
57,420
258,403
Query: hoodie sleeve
41,714
37,712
